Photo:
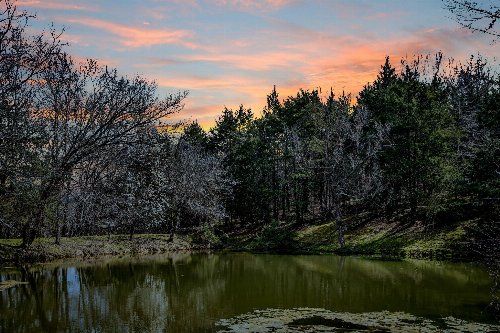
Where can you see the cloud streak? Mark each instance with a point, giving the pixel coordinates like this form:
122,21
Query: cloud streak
255,4
323,61
231,52
45,4
138,36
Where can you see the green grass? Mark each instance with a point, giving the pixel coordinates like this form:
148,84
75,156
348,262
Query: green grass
11,242
378,238
385,239
45,249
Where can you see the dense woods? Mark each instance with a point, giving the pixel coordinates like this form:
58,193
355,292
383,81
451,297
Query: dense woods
86,151
92,164
420,143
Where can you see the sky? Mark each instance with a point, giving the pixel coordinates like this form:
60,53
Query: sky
232,52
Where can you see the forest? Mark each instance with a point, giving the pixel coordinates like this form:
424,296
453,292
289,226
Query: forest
93,164
86,151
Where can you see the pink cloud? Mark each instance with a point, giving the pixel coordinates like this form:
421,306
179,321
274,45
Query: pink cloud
162,10
200,82
112,63
258,62
255,4
66,5
73,39
320,61
194,112
251,92
138,36
154,62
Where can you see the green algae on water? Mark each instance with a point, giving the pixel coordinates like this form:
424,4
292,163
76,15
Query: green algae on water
300,320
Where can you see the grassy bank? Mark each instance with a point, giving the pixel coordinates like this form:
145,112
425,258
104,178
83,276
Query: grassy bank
367,237
44,249
393,240
370,237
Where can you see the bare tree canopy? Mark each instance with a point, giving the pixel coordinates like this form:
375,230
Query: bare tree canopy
477,16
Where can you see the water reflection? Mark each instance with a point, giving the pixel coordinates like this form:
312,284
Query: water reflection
190,292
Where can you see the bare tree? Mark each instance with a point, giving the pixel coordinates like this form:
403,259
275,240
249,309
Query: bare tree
24,60
87,109
190,182
352,173
476,16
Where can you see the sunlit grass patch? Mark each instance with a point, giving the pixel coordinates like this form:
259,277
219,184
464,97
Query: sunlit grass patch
388,239
45,249
11,242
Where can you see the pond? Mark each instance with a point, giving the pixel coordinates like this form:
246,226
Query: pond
231,292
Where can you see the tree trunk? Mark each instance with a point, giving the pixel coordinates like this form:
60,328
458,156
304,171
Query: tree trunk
58,233
32,230
132,231
49,189
341,227
58,227
341,230
174,223
275,193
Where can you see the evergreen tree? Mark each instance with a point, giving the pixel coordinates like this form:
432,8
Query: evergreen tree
417,160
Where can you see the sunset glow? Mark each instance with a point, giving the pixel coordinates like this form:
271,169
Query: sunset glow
232,52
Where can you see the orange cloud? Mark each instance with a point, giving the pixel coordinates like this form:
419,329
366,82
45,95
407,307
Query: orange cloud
348,63
247,61
250,92
257,62
203,114
138,36
199,82
241,65
320,61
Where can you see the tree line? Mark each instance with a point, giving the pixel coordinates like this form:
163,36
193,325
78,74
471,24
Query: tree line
421,143
84,150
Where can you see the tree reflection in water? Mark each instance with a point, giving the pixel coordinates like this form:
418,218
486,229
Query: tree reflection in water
190,292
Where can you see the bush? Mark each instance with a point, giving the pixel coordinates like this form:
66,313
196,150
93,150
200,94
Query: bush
275,237
208,236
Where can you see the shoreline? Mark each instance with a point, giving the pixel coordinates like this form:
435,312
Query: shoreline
45,250
370,241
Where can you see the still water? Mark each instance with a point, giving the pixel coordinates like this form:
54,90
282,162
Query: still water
188,292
